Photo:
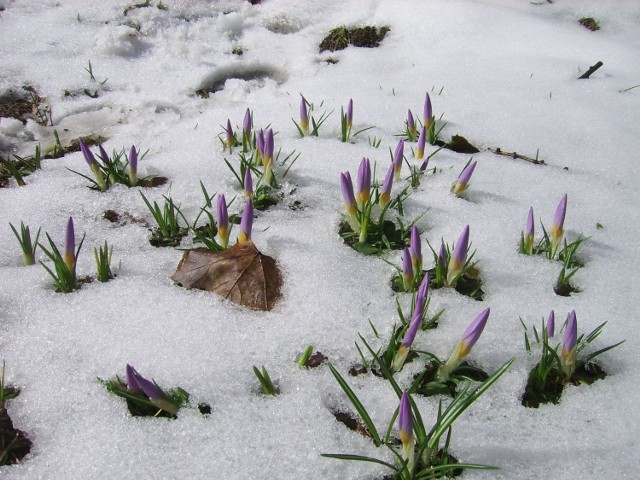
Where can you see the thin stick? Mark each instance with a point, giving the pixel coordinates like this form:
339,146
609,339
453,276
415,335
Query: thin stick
515,155
592,69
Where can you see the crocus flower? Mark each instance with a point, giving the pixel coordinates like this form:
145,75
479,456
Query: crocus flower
424,164
246,125
422,140
70,247
415,249
132,382
527,236
364,181
405,428
93,165
155,393
260,143
104,156
246,222
557,228
230,141
223,220
267,155
427,113
411,126
248,183
304,116
463,180
386,187
442,256
407,270
398,156
569,344
133,166
347,193
464,346
414,326
349,116
458,257
551,324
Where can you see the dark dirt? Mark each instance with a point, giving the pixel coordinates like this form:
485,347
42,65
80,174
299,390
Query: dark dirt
589,23
340,38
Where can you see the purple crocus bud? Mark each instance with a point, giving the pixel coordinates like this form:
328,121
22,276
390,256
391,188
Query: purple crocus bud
132,382
246,222
411,126
458,257
88,156
364,181
569,344
416,322
260,142
427,112
405,428
463,180
93,165
133,166
386,187
304,116
551,324
416,250
424,165
422,140
407,270
230,142
223,220
347,193
248,183
267,154
104,156
442,257
70,247
557,230
246,124
468,340
398,156
528,235
155,394
350,114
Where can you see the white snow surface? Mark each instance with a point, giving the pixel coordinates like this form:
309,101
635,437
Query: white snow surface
507,70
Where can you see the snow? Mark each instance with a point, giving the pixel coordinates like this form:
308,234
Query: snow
508,72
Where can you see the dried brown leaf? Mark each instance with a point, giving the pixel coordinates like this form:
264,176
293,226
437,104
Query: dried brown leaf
241,274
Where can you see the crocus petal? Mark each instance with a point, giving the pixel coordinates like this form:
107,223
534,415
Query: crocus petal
248,183
442,256
530,225
347,193
551,324
229,130
416,250
405,419
88,156
132,383
398,156
459,256
558,221
424,164
427,112
260,142
473,332
350,113
407,269
386,186
246,222
364,181
422,140
570,334
222,215
268,148
70,246
133,166
304,115
411,124
463,179
246,124
104,156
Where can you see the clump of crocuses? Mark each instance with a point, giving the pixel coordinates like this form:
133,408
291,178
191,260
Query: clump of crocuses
454,267
368,231
560,361
64,264
410,275
117,168
144,397
308,125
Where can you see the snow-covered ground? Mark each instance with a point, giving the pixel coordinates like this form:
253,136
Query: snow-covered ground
502,73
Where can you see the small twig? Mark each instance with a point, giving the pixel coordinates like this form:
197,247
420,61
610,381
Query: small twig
592,69
515,155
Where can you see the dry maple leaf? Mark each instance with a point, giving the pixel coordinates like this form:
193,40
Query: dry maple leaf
241,274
